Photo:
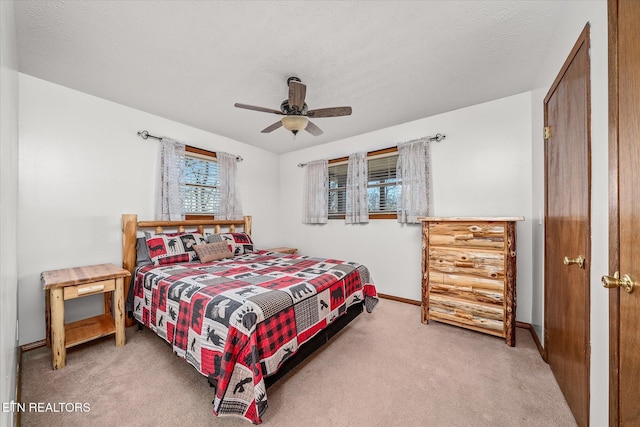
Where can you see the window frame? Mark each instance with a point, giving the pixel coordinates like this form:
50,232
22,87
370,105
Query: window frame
205,153
370,154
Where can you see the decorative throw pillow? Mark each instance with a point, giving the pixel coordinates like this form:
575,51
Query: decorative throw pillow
239,243
213,251
165,249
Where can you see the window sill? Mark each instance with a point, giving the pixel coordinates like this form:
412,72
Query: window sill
198,216
371,216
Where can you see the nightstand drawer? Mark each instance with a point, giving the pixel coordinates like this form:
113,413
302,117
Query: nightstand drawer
100,287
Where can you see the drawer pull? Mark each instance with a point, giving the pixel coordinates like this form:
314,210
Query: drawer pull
466,264
463,236
90,289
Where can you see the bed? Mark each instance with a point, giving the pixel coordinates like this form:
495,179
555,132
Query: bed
243,320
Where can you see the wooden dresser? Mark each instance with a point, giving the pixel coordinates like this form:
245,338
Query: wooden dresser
469,273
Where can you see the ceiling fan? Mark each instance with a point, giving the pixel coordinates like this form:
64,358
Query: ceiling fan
295,111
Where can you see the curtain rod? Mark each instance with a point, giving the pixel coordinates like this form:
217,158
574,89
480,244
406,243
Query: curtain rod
145,135
439,137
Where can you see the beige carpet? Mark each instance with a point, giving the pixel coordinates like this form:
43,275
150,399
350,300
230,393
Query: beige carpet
385,369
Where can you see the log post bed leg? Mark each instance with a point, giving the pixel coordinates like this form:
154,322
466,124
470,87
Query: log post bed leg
58,350
247,224
118,312
129,234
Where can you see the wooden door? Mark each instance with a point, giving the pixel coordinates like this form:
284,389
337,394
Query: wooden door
567,229
624,210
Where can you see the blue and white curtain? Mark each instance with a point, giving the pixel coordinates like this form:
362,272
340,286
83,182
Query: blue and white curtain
170,205
413,171
357,203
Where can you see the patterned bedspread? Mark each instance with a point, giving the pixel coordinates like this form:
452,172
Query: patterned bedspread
236,320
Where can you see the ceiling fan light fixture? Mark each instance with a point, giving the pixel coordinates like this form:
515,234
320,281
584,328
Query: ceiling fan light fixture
294,111
295,123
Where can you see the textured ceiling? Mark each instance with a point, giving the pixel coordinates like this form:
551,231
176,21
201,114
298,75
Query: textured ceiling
190,61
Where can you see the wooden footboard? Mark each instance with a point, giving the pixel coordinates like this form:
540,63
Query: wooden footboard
131,226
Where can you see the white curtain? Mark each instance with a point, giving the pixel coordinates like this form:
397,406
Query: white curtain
229,206
316,193
414,173
170,204
357,206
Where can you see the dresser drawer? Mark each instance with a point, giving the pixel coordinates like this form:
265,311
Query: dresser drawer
480,317
470,235
486,264
469,288
98,287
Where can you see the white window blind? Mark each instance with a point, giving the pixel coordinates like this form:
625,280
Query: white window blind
337,190
200,184
382,186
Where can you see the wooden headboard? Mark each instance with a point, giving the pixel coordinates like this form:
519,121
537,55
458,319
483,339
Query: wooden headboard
131,225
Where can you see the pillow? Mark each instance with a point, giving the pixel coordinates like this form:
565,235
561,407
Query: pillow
213,251
142,252
239,243
149,234
165,249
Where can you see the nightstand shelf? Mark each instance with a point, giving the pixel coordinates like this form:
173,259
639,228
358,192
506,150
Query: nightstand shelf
89,329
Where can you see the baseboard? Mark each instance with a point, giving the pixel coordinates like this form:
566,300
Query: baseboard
18,386
33,345
536,339
400,299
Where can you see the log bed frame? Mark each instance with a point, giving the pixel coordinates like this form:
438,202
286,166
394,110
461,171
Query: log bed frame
130,228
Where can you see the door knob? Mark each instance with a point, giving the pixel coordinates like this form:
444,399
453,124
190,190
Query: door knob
625,283
579,261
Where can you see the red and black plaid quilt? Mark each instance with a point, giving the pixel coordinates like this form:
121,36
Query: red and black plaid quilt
237,320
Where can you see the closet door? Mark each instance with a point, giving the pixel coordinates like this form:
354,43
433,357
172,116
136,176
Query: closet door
567,229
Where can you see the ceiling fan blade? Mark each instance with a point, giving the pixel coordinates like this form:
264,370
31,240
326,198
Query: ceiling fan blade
272,127
313,129
330,112
297,92
254,108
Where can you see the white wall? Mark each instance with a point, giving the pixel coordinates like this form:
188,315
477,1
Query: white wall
8,208
482,168
82,166
575,17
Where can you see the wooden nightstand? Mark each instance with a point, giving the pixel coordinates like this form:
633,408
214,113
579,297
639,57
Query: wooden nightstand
283,250
69,283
